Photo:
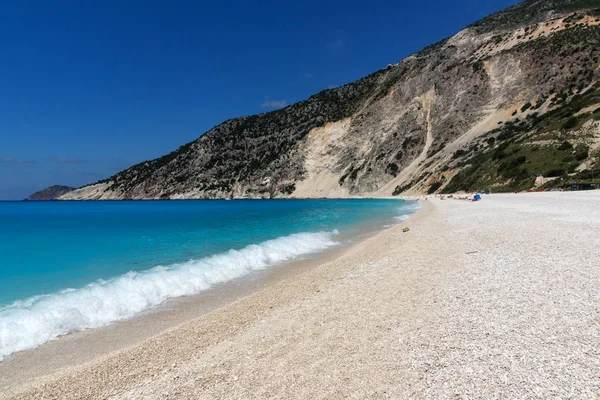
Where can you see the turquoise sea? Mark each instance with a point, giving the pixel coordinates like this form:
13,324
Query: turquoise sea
68,266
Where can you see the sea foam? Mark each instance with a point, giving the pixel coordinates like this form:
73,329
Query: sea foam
29,323
407,211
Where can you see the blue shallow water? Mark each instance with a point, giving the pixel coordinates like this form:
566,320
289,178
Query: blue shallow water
49,246
69,266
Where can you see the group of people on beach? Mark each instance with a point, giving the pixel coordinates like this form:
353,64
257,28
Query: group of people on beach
468,197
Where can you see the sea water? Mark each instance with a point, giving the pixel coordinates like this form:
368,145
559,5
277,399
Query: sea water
69,266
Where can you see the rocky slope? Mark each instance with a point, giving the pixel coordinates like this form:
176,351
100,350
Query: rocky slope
509,97
50,193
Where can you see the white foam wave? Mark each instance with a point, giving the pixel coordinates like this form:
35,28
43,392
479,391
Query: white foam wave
407,210
29,323
412,207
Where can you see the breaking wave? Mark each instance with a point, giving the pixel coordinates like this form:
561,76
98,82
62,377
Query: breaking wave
407,211
29,323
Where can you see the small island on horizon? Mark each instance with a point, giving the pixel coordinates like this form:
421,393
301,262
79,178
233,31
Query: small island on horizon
50,193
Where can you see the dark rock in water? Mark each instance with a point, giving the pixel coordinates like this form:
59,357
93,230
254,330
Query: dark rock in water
50,193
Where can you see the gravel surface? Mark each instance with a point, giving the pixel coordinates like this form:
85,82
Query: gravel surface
496,299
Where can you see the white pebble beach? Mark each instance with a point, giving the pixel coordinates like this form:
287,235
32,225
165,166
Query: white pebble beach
494,299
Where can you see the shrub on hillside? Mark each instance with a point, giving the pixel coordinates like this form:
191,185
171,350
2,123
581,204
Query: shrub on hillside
434,187
555,172
459,153
565,146
392,169
582,153
570,123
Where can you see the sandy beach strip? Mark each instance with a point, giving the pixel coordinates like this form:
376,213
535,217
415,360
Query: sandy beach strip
495,299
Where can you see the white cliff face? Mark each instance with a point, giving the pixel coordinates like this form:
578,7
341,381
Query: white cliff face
397,130
322,148
98,191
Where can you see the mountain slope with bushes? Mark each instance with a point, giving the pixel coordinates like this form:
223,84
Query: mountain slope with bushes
511,97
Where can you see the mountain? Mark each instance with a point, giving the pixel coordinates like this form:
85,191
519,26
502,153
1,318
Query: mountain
50,193
508,98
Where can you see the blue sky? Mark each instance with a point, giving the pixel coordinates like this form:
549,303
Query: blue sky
91,87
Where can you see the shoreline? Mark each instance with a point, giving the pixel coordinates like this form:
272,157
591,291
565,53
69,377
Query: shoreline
90,345
477,300
76,349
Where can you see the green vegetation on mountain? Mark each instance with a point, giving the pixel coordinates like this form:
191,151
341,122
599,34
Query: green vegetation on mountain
553,145
509,98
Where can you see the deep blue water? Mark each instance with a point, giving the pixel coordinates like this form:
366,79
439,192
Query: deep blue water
66,266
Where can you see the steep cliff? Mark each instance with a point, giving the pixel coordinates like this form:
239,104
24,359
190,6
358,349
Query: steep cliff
526,77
